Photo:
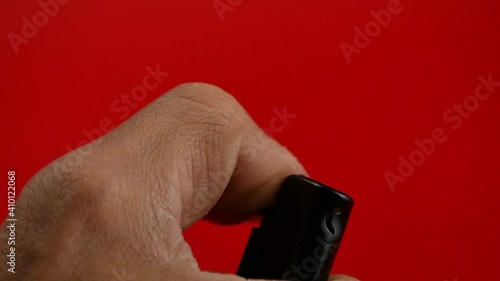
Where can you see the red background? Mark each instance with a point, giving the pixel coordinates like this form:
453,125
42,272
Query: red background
353,120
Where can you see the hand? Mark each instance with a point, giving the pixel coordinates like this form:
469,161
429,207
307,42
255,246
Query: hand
115,209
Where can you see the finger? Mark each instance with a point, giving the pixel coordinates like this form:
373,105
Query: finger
197,145
260,162
341,277
262,166
180,273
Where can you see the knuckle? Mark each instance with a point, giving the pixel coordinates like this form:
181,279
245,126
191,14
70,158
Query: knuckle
208,104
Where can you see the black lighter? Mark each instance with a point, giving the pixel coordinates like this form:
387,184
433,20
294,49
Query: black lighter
300,235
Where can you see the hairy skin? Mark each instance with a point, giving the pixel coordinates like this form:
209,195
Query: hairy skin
115,209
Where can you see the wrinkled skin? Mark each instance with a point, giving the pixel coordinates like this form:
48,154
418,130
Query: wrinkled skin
115,209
